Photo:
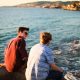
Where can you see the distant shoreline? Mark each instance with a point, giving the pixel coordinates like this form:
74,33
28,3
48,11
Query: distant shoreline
68,5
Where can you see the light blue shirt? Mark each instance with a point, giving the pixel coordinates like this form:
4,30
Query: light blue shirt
38,65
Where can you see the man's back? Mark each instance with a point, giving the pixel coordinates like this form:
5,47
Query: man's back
37,66
14,53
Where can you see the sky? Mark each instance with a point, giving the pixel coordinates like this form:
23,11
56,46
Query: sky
15,2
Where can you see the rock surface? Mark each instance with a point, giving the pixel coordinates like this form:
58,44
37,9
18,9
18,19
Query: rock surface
4,75
73,75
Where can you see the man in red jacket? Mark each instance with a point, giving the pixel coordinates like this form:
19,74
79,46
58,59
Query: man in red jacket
15,52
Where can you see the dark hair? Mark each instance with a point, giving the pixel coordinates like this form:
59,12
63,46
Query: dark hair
45,37
21,29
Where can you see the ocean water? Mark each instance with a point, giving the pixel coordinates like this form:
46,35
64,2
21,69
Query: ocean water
62,24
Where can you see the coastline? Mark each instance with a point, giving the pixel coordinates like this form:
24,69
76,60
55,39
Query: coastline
69,5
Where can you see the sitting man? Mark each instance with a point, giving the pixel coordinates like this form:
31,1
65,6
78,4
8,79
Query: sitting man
15,52
40,65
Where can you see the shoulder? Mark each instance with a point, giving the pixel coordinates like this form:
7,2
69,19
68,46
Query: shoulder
35,46
12,40
17,41
48,49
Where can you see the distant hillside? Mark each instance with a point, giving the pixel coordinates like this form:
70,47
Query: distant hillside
34,4
69,5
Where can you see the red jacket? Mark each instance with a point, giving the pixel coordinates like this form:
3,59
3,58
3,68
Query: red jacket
15,54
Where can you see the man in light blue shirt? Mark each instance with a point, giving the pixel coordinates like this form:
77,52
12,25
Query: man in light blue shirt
41,61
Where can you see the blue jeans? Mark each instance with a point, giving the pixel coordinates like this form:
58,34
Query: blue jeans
54,75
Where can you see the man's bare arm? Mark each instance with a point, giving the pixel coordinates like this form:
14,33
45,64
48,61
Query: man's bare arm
55,67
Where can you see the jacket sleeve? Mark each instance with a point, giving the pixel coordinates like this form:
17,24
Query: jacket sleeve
10,56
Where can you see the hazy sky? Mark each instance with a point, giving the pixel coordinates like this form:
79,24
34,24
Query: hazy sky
14,2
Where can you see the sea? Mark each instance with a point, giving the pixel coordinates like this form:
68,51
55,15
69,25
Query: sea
64,26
